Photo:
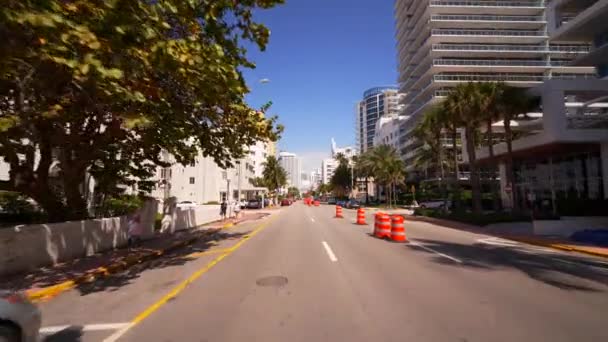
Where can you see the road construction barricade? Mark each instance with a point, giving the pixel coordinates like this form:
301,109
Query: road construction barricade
361,217
339,212
383,226
398,229
317,203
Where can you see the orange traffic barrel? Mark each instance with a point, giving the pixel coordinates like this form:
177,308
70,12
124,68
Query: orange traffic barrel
397,229
384,226
377,221
317,203
339,212
361,217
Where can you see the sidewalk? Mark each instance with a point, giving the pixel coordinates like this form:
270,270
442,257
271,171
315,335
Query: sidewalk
543,241
48,282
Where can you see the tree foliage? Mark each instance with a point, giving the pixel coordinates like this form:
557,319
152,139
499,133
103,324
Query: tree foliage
104,86
274,176
293,192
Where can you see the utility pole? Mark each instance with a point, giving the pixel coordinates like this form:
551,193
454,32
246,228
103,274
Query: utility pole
239,181
228,197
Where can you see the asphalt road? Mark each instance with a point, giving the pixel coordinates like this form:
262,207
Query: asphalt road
302,275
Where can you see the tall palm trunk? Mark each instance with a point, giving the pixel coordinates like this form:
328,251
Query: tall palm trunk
494,186
475,183
456,189
442,183
509,166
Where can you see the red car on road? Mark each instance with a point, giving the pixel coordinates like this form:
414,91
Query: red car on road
285,202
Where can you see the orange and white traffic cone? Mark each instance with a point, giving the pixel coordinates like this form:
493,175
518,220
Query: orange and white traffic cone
339,212
384,226
398,229
361,217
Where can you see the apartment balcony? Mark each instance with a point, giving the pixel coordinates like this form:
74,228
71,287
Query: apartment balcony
510,50
523,7
503,65
481,21
488,36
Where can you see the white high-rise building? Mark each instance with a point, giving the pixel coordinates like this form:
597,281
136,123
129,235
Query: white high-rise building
377,102
316,178
328,167
442,43
258,154
293,166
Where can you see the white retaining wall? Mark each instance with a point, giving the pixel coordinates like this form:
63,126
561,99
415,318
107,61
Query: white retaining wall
28,247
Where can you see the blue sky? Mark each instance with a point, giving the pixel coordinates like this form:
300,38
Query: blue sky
322,56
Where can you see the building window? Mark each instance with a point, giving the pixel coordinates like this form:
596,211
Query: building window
224,175
191,180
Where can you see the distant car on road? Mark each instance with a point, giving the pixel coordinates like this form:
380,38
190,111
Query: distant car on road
254,204
285,202
341,203
19,318
331,200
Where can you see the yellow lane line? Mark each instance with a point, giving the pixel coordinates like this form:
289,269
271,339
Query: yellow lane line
182,286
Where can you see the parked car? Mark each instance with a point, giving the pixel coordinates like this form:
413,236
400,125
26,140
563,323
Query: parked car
434,204
253,204
341,203
285,202
19,318
331,200
187,204
353,204
243,204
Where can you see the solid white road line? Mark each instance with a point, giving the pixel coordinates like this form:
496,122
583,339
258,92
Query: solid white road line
330,253
417,244
118,334
88,327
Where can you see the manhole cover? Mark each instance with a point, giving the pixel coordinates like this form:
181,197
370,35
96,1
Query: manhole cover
275,281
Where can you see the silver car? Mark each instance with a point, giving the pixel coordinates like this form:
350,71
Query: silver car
19,318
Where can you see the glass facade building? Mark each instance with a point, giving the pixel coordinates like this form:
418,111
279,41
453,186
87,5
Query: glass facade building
377,102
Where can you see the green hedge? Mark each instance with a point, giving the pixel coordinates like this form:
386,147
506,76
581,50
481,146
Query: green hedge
470,218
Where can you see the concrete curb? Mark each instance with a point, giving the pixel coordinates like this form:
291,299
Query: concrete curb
559,246
104,271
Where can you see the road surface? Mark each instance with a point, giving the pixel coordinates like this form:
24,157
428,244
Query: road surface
302,275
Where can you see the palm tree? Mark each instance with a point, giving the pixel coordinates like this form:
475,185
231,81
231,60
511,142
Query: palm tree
430,130
490,94
386,168
364,169
464,102
274,175
512,103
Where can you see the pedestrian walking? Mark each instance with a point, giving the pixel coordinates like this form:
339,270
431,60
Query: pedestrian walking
223,209
134,232
237,209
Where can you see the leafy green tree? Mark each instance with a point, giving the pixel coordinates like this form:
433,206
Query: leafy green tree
274,176
293,192
104,87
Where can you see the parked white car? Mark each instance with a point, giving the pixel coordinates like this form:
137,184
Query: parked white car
19,319
434,204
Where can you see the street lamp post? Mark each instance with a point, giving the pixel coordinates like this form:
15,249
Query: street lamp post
228,197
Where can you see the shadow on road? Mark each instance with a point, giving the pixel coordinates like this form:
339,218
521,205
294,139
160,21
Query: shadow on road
567,273
71,334
178,257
